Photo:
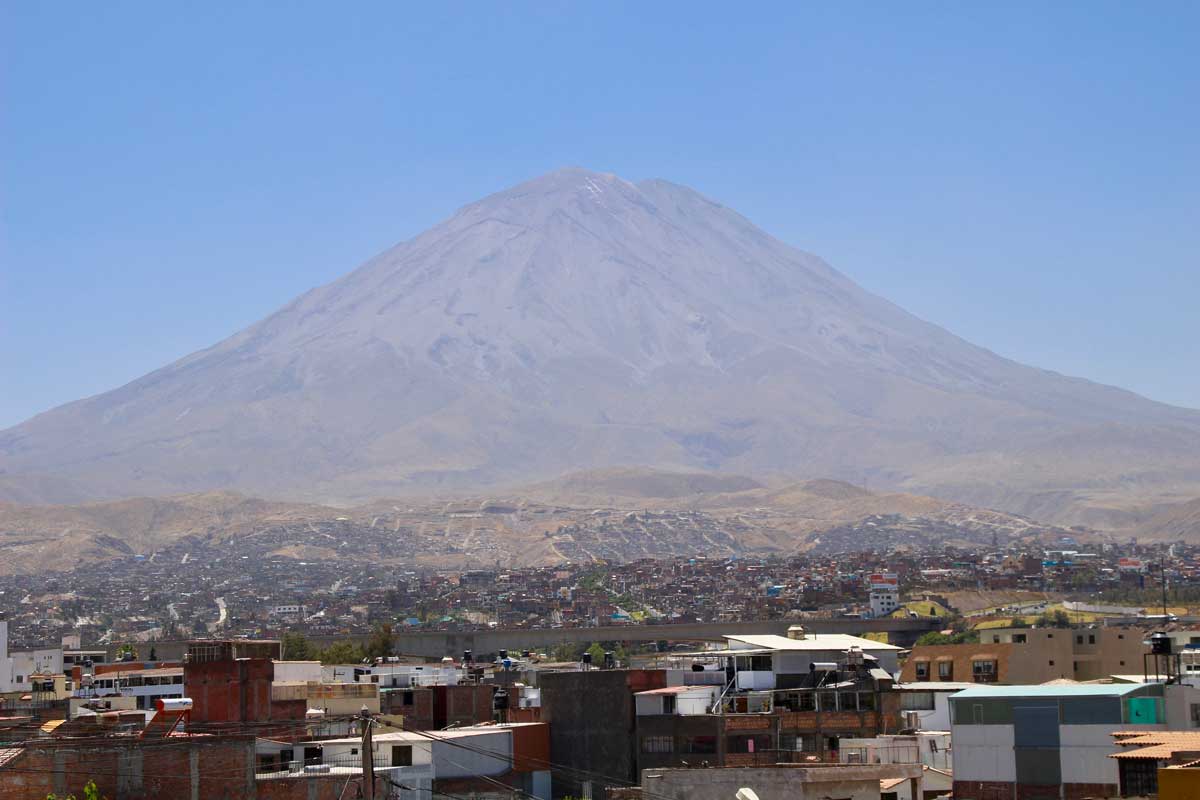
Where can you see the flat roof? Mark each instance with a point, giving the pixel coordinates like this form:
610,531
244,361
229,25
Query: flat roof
813,641
1061,690
680,689
934,686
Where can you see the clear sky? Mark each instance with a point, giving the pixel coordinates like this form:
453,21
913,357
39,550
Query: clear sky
1025,174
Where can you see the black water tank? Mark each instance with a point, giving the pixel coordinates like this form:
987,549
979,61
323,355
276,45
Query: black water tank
468,657
586,658
1160,644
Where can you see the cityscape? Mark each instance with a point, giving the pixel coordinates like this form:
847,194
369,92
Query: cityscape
599,401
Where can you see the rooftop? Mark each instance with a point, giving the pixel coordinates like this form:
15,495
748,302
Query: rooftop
813,641
1060,690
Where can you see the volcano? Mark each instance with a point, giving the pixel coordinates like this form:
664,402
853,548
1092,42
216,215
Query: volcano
581,321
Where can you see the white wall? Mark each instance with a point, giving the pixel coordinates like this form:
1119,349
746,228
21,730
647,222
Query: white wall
452,761
288,671
48,661
6,663
1084,751
984,753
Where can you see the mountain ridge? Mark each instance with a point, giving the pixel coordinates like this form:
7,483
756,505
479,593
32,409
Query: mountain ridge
581,321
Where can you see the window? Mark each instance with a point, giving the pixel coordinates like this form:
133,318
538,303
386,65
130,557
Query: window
408,698
402,755
916,701
983,671
1120,636
658,744
1079,639
848,701
922,668
1052,662
808,701
1091,638
1049,635
668,704
1019,638
945,670
700,744
995,640
866,701
828,701
1195,709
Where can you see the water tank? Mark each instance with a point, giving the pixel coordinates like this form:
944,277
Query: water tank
468,657
610,660
503,654
173,704
586,658
500,700
1160,644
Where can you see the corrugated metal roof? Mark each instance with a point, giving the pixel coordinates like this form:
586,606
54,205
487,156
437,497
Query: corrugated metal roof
1076,690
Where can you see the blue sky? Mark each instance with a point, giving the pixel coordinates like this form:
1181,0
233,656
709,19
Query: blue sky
1026,175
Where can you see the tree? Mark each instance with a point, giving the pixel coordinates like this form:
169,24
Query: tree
342,653
937,637
296,647
90,792
597,653
127,652
1053,619
380,644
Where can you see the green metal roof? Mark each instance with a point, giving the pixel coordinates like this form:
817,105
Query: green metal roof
1055,690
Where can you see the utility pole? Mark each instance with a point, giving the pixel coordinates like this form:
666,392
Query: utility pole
1162,578
368,755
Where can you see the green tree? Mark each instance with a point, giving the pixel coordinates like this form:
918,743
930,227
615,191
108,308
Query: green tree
90,792
342,653
597,653
937,637
296,647
127,652
380,645
1056,618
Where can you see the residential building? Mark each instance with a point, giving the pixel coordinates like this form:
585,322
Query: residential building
782,782
1022,656
1030,742
1163,763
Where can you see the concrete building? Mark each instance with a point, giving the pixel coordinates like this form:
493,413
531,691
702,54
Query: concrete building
884,593
1162,763
926,706
1029,742
434,764
143,685
592,720
783,782
1021,656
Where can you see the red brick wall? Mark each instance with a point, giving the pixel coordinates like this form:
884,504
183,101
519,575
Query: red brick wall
531,747
132,770
330,787
236,691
